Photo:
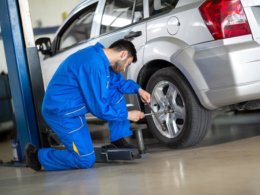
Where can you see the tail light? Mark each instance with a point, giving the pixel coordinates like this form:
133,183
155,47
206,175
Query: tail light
225,18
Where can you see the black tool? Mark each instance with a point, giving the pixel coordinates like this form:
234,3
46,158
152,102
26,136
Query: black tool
115,154
157,118
149,114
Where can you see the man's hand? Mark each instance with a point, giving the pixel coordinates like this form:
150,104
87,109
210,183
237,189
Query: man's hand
135,115
145,96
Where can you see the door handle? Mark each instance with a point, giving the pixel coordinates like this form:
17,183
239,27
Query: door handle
133,34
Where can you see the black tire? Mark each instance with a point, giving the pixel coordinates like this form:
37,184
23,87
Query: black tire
187,117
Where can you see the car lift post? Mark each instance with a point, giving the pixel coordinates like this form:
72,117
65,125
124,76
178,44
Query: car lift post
24,72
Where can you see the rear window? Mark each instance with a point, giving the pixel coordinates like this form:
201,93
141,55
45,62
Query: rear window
120,13
160,6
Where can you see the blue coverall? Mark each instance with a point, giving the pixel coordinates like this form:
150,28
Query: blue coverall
84,83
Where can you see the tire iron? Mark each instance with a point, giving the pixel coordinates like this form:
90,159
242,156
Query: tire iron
157,118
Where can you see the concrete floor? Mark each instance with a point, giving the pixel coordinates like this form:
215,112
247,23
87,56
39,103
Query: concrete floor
226,162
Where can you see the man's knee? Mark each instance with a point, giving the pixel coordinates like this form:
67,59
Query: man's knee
85,162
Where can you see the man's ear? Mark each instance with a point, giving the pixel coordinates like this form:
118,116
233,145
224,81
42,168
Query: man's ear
124,54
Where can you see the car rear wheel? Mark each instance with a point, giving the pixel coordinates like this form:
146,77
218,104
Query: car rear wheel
180,120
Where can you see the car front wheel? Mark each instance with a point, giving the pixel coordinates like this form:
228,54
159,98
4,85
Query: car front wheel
180,120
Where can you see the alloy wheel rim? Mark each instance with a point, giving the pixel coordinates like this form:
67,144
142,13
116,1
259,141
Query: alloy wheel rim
169,105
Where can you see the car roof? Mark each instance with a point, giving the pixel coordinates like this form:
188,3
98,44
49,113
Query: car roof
81,6
75,10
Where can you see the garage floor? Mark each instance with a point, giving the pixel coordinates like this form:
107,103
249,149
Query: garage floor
226,162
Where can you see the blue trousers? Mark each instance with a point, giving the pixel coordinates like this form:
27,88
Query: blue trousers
74,134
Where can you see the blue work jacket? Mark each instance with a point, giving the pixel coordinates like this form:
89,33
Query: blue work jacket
84,83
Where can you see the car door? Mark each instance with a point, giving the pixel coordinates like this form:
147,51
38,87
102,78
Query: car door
76,33
124,19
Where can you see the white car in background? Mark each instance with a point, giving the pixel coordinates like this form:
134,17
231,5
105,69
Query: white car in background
194,56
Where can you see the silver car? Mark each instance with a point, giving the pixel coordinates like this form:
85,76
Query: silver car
194,56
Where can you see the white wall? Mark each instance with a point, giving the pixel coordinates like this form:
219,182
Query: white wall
44,13
2,57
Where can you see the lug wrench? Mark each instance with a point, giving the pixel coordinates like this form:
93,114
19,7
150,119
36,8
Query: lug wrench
157,118
149,114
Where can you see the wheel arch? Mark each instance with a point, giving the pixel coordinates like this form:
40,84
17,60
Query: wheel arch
152,67
170,52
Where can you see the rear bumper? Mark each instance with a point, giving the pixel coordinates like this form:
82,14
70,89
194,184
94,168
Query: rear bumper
235,94
231,70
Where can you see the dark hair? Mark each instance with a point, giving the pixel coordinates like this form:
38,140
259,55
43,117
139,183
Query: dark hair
123,44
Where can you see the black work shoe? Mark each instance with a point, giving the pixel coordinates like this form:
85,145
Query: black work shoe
31,156
122,143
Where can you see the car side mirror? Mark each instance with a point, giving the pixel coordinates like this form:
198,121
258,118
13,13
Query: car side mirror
44,45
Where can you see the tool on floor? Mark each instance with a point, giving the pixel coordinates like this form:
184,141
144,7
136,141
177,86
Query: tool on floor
115,154
138,130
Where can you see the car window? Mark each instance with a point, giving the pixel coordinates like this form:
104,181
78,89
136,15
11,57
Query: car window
120,13
160,6
79,28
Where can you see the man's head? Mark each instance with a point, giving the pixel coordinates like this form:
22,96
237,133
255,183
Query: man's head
122,54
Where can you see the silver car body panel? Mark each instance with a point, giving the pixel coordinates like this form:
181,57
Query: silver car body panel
165,46
239,67
252,10
188,26
202,60
221,72
146,8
